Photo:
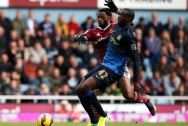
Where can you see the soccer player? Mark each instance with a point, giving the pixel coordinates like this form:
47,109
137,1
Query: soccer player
97,35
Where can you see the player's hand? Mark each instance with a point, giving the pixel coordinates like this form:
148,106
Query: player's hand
139,89
111,5
80,39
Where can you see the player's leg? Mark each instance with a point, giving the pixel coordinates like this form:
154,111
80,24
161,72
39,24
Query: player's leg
130,94
88,98
86,104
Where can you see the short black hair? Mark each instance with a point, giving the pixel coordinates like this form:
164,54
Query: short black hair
129,12
106,10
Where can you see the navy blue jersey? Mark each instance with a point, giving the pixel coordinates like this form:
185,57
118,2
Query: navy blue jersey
121,47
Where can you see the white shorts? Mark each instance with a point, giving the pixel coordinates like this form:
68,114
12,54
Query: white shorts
127,73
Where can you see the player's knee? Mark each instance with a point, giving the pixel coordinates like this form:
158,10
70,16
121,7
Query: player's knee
83,88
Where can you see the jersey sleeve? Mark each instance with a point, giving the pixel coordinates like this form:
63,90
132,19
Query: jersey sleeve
89,34
134,55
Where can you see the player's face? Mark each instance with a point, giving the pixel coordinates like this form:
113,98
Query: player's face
103,19
123,19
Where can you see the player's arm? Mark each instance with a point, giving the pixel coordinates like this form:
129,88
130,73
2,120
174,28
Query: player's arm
112,6
85,37
136,61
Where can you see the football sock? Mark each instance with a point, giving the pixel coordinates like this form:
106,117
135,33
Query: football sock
86,101
140,98
96,104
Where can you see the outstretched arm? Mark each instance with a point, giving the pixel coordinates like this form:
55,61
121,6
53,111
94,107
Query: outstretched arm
111,5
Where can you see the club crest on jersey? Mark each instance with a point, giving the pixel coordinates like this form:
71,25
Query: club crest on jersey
119,37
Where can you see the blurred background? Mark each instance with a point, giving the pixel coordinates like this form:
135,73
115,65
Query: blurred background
41,64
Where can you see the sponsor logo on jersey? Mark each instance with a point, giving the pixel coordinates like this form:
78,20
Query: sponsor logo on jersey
113,41
119,37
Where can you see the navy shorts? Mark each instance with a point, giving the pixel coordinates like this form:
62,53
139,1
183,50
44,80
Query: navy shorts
104,76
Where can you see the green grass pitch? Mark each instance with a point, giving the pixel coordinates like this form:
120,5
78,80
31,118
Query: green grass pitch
109,124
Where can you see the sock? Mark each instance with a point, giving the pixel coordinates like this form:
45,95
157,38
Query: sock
96,113
140,98
86,101
96,105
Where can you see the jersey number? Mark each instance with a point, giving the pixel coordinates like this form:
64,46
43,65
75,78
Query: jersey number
103,74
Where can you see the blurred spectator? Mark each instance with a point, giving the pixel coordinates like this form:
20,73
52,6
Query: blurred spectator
28,39
44,90
144,82
13,88
186,81
50,50
152,43
163,67
3,41
141,25
180,41
73,62
56,79
171,83
185,56
82,73
180,26
38,51
181,67
180,92
30,91
39,37
72,78
73,25
40,79
89,53
4,81
12,52
155,24
163,52
88,24
173,54
60,64
57,38
14,36
62,26
65,89
63,108
47,26
22,51
46,65
169,26
5,65
93,62
157,86
30,68
74,114
165,37
64,50
5,23
18,23
31,23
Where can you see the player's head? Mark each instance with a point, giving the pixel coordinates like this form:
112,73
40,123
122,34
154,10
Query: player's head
126,16
104,16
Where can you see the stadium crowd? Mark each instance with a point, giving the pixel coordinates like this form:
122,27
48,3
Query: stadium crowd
42,58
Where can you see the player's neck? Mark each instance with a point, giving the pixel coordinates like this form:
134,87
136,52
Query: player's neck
104,26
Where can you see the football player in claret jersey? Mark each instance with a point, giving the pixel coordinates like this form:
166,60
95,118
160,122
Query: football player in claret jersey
102,78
